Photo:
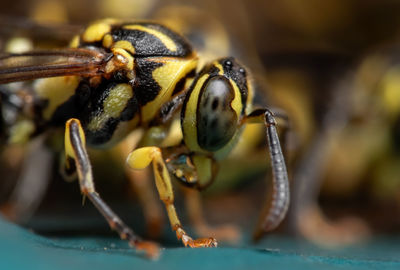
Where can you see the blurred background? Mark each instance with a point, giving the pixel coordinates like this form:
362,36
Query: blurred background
332,66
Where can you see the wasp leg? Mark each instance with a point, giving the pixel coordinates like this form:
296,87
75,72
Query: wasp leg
206,172
278,203
308,217
148,200
75,150
140,159
143,189
139,179
32,182
225,232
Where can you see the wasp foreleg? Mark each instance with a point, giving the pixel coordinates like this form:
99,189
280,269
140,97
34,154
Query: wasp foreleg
144,191
140,159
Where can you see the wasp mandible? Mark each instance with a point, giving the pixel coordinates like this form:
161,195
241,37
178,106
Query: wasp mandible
117,77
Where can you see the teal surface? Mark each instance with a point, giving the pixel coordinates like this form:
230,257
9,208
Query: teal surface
23,249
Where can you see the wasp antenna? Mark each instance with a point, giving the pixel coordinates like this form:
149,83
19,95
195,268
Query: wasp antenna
278,198
280,192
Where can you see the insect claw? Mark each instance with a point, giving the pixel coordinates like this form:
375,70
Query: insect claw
151,249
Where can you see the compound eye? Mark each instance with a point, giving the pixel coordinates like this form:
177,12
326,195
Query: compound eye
216,119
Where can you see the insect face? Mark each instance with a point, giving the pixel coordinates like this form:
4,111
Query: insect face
215,106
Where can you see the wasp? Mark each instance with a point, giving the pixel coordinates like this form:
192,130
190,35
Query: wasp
120,76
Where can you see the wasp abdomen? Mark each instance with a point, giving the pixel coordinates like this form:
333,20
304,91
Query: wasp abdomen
216,119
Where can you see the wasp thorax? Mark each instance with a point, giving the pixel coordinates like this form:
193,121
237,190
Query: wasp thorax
216,119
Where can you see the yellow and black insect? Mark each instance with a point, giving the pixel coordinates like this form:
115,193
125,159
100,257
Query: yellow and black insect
120,76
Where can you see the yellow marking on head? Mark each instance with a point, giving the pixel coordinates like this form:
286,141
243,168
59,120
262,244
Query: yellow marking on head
236,103
113,105
56,90
190,122
126,45
167,76
96,31
219,66
250,95
107,41
168,42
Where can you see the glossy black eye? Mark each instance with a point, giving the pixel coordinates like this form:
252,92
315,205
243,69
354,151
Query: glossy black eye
243,71
216,120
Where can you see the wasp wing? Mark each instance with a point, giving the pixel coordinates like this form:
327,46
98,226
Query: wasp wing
51,63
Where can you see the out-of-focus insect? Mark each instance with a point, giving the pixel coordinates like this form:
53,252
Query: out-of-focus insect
120,76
